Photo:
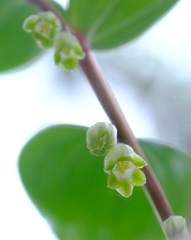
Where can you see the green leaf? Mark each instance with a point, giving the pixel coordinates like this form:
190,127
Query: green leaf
69,187
16,46
110,23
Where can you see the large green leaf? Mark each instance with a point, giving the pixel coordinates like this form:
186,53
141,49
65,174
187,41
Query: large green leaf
69,187
16,46
109,23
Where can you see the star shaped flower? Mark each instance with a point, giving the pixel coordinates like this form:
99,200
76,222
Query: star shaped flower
123,165
43,27
68,50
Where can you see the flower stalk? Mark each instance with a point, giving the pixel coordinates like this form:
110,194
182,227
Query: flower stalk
125,134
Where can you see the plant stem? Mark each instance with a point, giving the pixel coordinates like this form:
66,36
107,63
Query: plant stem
114,112
125,134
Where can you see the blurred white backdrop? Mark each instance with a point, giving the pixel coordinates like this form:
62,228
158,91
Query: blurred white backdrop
151,77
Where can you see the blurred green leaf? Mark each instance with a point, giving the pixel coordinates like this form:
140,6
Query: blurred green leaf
173,168
68,186
110,23
16,46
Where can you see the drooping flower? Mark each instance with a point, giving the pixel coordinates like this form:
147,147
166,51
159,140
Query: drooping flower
68,50
123,165
43,26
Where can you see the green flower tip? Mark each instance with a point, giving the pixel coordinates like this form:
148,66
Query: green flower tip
101,138
68,50
175,228
66,57
43,27
123,165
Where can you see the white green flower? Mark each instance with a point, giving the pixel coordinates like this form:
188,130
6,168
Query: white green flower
43,26
68,50
123,165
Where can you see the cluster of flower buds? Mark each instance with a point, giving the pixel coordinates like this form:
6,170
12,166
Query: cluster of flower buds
121,163
46,30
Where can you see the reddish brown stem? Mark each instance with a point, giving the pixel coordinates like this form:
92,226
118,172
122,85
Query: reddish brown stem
125,134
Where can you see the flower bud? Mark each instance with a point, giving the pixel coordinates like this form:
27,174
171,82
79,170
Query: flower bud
68,50
175,227
43,28
101,138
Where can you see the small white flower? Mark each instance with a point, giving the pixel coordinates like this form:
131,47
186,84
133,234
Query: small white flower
122,165
68,50
43,26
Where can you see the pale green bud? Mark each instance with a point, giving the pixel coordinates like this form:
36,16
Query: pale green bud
175,228
43,27
101,138
68,50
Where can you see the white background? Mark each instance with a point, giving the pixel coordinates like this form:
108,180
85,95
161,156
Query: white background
151,78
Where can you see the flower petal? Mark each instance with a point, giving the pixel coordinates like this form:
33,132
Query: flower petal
112,181
120,152
125,189
138,178
138,161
